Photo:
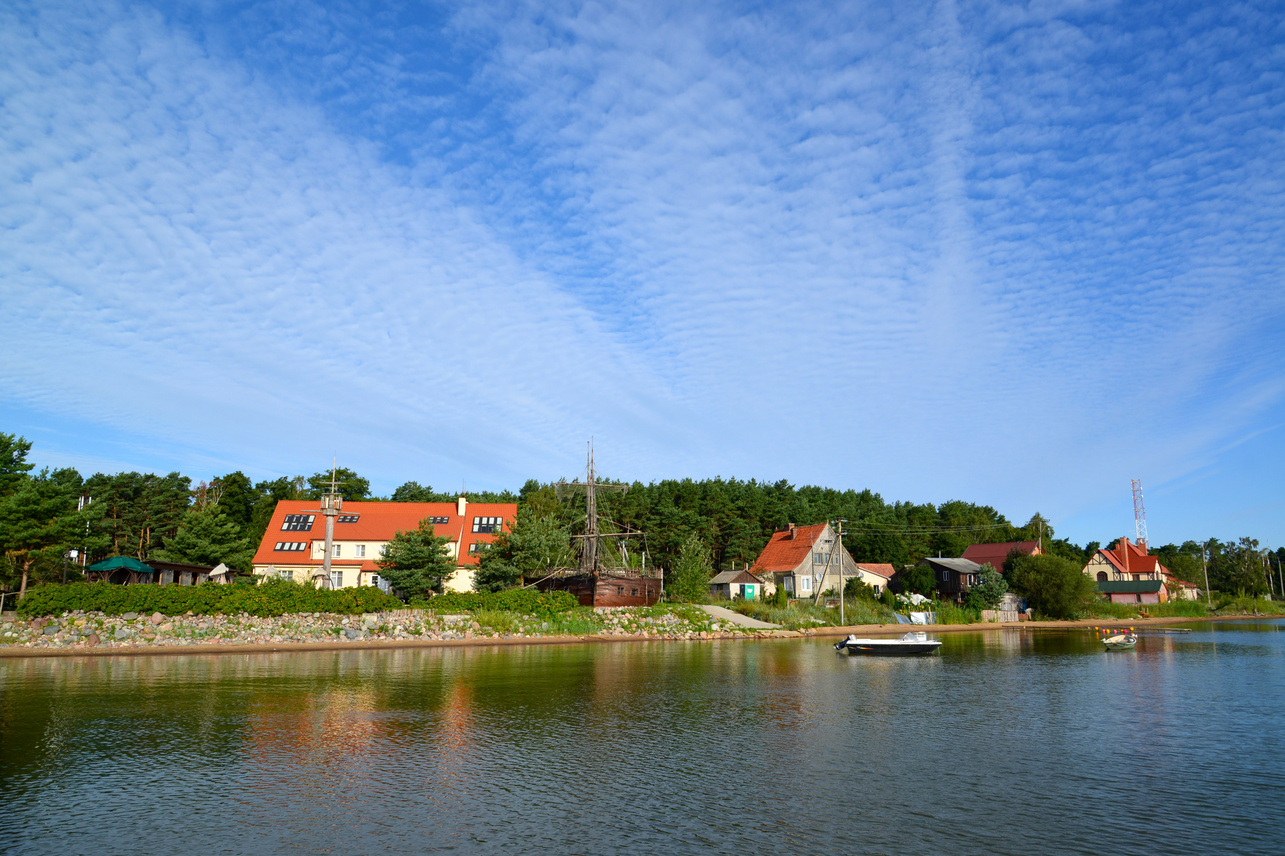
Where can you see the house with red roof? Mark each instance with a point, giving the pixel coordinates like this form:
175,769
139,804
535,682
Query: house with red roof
995,554
805,560
1126,573
295,543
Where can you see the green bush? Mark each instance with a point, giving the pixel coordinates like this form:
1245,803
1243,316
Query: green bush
270,598
950,613
1184,608
525,601
1053,586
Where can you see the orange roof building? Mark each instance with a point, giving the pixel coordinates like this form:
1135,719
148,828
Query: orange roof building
294,545
1126,573
805,560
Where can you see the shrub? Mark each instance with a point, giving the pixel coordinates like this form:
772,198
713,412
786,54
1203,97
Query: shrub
859,589
987,592
526,601
949,613
271,598
1053,586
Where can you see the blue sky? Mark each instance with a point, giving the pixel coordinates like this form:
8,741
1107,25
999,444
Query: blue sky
1017,254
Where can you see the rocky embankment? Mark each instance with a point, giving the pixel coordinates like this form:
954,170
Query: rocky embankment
94,630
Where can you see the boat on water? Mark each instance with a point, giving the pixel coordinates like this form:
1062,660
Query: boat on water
912,644
1120,642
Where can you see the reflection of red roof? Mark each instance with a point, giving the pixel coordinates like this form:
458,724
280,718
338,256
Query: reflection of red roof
376,522
788,549
885,571
995,554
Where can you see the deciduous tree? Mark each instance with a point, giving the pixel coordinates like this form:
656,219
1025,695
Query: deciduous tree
416,562
1053,586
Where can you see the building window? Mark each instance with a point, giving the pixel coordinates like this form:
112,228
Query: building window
298,523
945,576
337,579
805,584
477,547
359,550
876,588
439,521
383,549
338,550
291,546
346,518
620,590
487,524
819,558
635,592
972,579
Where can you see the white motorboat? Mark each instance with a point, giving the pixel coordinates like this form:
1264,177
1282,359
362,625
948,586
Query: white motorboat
913,643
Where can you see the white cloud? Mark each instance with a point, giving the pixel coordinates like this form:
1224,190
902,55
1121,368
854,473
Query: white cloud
990,252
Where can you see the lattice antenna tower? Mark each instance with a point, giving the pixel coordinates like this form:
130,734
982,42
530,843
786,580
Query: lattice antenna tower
1139,515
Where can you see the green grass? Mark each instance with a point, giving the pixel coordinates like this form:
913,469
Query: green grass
802,614
497,620
1246,605
949,613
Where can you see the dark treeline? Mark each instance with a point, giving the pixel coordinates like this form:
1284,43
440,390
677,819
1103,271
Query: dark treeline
48,513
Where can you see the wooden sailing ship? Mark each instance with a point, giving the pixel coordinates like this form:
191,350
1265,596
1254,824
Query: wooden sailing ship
603,575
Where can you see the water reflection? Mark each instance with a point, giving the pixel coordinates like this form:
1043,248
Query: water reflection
1004,739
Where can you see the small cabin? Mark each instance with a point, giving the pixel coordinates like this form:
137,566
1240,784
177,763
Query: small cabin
730,585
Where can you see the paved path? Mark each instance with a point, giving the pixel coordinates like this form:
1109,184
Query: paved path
724,614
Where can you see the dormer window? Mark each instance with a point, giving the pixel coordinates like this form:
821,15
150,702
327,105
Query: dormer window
487,524
298,522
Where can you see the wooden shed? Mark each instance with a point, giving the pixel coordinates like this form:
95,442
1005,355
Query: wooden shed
733,584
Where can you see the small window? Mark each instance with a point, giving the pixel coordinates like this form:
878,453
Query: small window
291,546
635,592
359,550
620,590
487,524
439,521
477,547
347,518
298,523
806,584
337,579
338,550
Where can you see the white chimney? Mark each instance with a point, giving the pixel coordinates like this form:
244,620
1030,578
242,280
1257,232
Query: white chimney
462,504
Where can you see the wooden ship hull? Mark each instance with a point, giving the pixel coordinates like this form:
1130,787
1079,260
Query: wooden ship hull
607,588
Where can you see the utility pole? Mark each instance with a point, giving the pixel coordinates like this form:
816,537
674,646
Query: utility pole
839,542
331,504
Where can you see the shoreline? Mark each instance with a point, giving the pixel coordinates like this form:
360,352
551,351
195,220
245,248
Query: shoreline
140,650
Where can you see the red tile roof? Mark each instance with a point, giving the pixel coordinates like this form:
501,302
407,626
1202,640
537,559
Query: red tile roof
881,570
377,522
995,554
1130,558
787,549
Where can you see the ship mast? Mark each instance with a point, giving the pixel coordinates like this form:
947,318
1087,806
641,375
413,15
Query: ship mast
589,556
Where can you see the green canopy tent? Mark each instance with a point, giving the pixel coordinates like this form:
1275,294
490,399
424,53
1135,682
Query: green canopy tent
135,571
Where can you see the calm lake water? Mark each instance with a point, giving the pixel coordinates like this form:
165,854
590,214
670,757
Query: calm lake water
1014,742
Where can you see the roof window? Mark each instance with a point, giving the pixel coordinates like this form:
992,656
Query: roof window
298,523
